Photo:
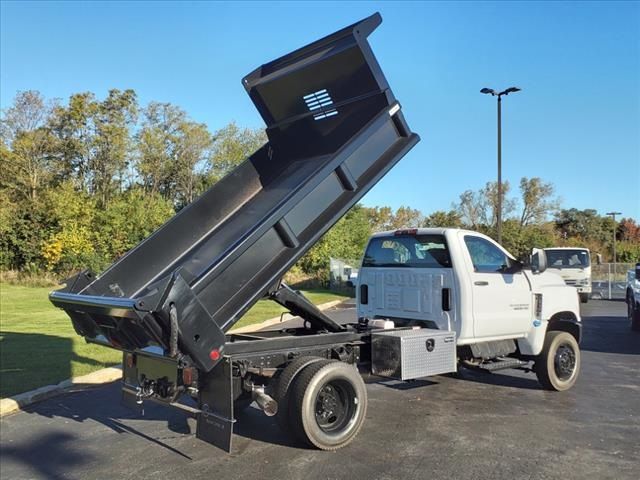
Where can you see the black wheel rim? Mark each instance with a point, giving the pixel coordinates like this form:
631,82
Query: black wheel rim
564,361
336,406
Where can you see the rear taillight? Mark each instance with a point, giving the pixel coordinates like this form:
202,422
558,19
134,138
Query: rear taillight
187,376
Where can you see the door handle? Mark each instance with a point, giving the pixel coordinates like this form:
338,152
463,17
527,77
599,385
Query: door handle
481,283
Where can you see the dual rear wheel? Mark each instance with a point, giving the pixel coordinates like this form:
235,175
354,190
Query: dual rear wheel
321,402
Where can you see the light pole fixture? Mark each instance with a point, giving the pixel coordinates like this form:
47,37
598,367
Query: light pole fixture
493,93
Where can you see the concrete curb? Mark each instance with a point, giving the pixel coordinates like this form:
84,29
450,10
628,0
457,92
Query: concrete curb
273,321
14,404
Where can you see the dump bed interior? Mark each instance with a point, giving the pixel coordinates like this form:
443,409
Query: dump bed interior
334,129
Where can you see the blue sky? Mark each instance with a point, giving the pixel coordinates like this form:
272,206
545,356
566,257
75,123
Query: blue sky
576,123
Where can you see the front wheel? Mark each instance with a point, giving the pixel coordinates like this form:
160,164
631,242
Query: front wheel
328,404
558,365
584,297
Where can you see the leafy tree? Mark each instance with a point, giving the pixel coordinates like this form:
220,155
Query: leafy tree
407,217
440,218
479,208
232,145
628,251
628,231
157,143
74,129
583,224
537,201
470,208
129,218
490,201
384,218
380,218
191,160
26,152
520,240
346,240
113,119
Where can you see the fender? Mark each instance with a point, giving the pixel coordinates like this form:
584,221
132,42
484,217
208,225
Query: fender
566,322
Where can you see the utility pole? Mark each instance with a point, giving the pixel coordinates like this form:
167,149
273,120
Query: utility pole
493,93
615,269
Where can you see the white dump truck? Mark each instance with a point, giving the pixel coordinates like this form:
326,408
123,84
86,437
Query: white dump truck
501,313
574,266
633,298
334,129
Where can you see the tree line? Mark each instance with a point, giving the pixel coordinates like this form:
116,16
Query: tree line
85,180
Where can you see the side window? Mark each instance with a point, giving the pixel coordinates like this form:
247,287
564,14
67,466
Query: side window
486,257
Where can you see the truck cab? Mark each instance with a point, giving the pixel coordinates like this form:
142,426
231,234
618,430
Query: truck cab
464,281
574,266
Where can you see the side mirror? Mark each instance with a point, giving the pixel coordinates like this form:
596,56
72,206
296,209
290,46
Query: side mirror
538,260
598,258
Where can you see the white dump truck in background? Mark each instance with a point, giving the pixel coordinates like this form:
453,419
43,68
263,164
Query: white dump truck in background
574,265
633,298
504,314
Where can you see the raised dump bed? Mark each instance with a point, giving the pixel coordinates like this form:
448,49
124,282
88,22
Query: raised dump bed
334,129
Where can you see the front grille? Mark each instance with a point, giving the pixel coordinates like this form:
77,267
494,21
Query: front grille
570,282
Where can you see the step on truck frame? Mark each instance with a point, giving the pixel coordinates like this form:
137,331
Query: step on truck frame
334,129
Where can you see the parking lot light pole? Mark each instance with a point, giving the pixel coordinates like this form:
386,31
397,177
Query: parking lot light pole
493,93
615,269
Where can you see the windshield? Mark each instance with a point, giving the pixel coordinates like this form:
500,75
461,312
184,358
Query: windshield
418,251
567,258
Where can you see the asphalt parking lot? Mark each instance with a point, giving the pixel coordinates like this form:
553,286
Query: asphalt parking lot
480,426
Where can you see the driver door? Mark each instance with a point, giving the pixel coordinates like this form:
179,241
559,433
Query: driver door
502,298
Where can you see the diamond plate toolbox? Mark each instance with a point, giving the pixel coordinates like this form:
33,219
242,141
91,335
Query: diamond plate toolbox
409,354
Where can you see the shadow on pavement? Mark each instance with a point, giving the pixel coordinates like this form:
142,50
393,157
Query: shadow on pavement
51,456
501,379
606,334
78,407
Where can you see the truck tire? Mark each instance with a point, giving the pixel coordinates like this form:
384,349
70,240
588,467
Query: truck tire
558,365
282,388
633,313
328,405
584,297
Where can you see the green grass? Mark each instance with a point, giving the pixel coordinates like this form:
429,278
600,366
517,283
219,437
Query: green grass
38,345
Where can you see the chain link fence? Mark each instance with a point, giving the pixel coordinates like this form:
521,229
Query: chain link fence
609,280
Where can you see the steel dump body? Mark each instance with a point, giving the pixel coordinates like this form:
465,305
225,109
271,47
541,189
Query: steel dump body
334,129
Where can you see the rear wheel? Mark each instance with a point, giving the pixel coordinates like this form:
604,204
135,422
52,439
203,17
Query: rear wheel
558,365
328,405
282,389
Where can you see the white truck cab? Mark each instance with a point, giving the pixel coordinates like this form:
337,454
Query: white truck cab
574,266
465,282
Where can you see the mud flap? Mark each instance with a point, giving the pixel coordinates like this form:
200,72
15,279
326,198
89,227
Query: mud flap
215,420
